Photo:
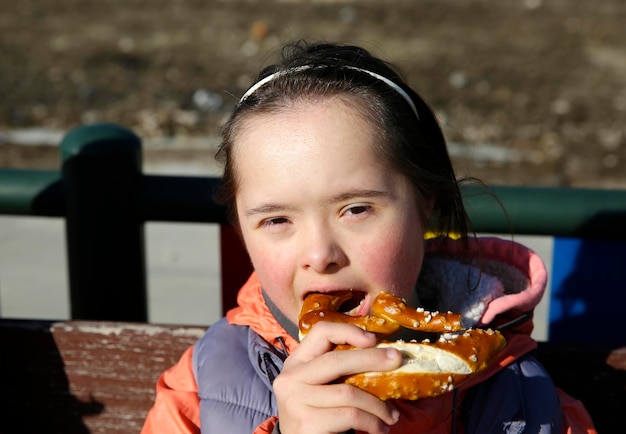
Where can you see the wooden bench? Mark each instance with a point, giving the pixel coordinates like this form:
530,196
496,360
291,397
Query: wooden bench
99,377
83,377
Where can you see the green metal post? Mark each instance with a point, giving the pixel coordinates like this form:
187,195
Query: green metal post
105,238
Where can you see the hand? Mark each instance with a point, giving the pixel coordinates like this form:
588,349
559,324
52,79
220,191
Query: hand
308,404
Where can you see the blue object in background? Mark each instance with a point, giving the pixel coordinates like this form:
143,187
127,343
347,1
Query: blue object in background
588,297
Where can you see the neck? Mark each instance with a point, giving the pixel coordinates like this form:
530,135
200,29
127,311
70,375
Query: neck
282,319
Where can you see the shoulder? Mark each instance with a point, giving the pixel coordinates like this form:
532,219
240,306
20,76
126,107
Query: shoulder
526,399
489,252
232,385
220,337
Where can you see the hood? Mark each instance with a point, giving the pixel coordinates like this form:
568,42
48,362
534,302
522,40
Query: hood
493,283
490,281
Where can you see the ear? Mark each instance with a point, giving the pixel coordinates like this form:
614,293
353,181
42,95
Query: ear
427,206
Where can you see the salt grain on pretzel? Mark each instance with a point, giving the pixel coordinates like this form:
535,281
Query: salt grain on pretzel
396,309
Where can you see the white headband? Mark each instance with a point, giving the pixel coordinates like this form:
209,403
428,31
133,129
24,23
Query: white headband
385,80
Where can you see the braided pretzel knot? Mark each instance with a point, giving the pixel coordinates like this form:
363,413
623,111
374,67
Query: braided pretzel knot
390,313
428,369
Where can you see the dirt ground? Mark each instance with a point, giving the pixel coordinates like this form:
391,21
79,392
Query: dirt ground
530,92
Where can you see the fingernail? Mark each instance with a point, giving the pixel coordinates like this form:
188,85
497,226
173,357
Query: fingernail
392,354
369,334
395,414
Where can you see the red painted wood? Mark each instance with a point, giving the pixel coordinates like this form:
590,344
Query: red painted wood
235,266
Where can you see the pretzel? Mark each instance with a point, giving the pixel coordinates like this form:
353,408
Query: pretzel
323,307
428,368
395,309
390,313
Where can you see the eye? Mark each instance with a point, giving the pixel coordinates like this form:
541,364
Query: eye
357,211
274,224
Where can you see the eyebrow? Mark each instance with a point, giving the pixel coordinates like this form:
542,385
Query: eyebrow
266,209
349,195
354,194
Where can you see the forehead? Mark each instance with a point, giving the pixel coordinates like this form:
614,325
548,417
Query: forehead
353,104
319,121
326,137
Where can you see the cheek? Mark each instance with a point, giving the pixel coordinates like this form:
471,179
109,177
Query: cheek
272,270
275,271
393,263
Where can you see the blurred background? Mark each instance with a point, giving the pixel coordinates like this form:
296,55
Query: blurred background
529,92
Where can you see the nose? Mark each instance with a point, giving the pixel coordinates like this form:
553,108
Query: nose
321,251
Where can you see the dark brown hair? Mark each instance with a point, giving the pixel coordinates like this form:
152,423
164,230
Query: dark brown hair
413,145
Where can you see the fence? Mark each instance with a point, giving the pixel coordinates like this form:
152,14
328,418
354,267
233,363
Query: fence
105,199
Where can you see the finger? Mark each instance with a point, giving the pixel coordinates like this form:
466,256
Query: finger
333,420
324,335
335,364
344,396
364,422
351,419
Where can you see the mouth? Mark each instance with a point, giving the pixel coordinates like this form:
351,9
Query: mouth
350,302
354,305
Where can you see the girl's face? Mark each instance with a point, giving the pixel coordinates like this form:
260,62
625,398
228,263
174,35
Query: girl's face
320,212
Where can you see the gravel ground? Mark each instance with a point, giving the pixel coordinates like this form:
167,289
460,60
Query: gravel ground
530,92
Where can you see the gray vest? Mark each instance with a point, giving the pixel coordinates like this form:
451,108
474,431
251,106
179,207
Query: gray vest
240,396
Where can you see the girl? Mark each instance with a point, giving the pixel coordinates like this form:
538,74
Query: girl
335,170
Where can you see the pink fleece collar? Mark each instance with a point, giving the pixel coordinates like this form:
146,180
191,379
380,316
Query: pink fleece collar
514,276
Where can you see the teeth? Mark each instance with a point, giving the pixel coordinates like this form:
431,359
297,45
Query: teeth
355,310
